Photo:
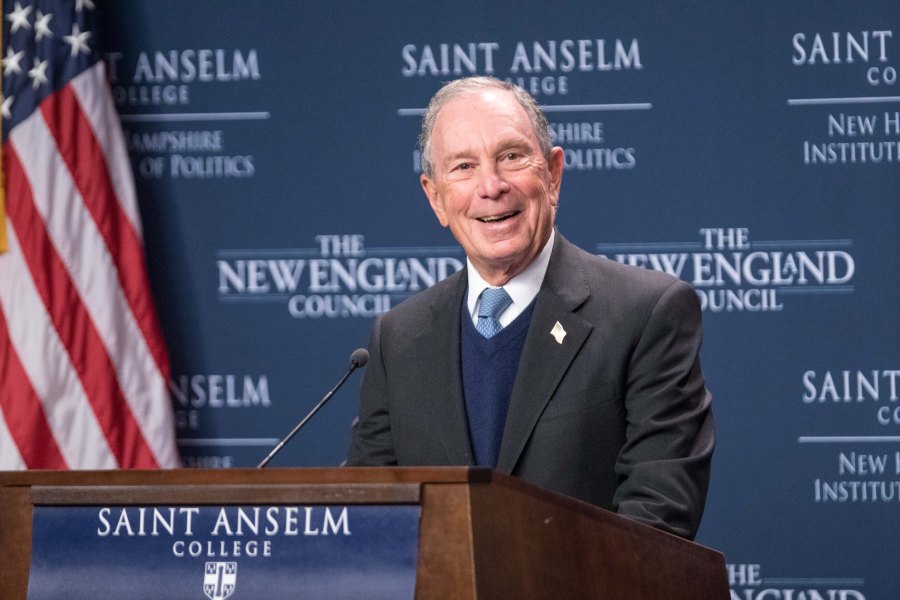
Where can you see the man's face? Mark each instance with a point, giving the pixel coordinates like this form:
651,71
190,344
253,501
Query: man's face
491,184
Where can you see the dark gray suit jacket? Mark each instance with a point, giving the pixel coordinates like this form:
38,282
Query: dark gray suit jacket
617,414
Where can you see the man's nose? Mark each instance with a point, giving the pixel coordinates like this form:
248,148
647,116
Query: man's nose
492,184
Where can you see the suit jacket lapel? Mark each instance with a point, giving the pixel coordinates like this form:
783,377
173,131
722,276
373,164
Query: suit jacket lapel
544,360
439,371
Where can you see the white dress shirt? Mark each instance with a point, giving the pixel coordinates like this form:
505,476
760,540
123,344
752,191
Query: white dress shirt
522,288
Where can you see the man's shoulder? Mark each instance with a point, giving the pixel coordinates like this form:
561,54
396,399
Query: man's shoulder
605,273
624,295
419,306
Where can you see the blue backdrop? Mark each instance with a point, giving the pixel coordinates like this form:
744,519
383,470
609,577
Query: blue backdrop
752,149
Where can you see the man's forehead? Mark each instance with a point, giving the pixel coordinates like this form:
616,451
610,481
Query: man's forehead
483,99
474,111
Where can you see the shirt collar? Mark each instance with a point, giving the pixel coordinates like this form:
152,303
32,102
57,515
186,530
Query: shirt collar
522,288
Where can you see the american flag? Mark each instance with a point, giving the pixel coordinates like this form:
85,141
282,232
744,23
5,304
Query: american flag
83,366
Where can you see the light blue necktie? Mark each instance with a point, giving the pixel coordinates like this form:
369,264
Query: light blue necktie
493,302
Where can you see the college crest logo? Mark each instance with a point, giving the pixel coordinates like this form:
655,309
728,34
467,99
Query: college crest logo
219,580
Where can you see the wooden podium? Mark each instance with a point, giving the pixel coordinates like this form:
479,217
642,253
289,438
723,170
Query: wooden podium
482,534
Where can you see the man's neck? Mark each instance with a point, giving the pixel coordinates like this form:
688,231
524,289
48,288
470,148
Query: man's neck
500,276
522,287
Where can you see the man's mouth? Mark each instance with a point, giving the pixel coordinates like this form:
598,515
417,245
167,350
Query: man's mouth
498,218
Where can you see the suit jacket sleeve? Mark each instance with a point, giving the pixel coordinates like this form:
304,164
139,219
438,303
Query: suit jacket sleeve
371,443
664,464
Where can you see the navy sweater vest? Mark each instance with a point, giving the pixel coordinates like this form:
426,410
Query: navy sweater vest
489,367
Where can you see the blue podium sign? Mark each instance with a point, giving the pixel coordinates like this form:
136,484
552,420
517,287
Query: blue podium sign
218,552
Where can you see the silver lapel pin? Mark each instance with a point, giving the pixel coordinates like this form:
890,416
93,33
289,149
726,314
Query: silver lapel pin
558,332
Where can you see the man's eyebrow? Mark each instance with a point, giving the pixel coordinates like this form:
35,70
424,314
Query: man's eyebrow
518,143
515,145
460,154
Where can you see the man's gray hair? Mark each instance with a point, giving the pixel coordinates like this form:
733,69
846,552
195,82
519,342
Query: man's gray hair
459,87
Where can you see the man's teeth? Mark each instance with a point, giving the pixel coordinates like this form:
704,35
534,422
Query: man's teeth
497,218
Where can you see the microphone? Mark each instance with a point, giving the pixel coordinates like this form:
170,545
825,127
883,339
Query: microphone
358,359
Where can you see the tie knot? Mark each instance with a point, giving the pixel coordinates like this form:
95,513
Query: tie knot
493,302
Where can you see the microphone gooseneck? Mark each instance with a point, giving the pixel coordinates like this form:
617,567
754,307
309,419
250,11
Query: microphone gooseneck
358,359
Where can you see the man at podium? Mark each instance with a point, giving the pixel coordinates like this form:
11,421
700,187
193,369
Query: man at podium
571,371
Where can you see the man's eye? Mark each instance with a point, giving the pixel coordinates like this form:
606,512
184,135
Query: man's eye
463,166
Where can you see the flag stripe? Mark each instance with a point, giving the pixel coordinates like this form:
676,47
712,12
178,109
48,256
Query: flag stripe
21,410
9,452
81,247
98,108
85,159
2,211
74,326
48,367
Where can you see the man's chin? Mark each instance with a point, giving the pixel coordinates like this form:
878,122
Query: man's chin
502,266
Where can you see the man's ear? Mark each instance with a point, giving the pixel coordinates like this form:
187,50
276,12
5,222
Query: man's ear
555,166
434,198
